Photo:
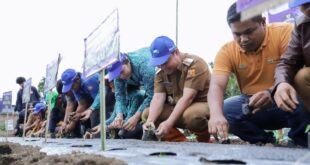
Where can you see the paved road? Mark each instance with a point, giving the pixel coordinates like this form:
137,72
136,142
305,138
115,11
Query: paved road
139,152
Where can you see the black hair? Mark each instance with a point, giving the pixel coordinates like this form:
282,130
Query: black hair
59,85
124,58
131,88
234,16
20,80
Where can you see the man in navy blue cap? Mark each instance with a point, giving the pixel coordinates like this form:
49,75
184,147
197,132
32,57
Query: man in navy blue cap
86,93
132,69
180,93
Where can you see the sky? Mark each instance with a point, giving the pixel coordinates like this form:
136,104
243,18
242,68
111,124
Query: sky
34,32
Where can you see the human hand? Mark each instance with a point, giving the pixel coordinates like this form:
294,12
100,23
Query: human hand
260,101
96,129
131,123
118,122
286,97
218,125
163,129
86,114
148,125
63,127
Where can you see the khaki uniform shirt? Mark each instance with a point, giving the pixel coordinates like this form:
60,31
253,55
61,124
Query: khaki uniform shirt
192,73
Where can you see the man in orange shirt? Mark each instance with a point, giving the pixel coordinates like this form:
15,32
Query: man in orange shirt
252,57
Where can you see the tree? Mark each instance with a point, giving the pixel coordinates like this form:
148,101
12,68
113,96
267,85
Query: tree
41,85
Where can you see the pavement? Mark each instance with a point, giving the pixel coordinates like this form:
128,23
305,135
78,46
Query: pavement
158,153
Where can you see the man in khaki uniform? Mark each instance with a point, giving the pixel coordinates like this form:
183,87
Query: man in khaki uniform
180,93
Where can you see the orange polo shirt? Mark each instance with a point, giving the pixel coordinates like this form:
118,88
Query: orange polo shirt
254,71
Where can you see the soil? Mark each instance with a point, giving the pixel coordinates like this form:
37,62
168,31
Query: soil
11,153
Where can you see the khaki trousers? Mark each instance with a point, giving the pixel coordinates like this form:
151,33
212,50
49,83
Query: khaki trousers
195,117
302,85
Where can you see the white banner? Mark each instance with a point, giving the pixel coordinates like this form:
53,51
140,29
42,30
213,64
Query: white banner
102,45
26,91
51,74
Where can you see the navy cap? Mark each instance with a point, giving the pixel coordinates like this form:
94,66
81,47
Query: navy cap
67,78
161,49
295,3
38,107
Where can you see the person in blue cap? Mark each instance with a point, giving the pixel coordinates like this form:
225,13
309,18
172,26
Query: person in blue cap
86,93
38,126
70,128
131,69
180,93
292,77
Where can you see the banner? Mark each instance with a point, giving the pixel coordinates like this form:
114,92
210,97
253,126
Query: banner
283,14
250,8
102,45
26,91
1,105
7,101
51,74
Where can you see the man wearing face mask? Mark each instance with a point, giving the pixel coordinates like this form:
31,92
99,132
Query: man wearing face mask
252,57
132,69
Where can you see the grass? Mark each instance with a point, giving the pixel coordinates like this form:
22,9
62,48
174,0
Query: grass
2,126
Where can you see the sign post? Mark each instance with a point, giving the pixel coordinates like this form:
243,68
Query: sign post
101,50
7,103
26,99
50,83
250,8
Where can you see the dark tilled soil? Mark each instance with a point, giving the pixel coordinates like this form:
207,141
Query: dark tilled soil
11,153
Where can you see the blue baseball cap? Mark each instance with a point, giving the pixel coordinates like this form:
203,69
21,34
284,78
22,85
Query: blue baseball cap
67,78
295,3
38,107
115,69
161,49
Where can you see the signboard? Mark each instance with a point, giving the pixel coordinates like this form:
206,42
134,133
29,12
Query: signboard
102,45
250,8
9,125
51,74
26,91
283,14
7,101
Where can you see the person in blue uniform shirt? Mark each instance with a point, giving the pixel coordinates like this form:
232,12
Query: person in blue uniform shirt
86,93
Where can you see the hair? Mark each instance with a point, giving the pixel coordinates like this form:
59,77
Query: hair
234,16
131,88
59,85
20,80
124,58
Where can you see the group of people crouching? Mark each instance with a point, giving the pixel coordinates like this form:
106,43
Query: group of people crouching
161,89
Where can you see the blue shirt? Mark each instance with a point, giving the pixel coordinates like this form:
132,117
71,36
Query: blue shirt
89,89
142,76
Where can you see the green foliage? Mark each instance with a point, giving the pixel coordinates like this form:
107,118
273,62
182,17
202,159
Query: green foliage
41,85
2,126
232,88
308,128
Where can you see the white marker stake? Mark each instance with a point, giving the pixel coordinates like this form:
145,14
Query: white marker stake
102,111
49,109
25,118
